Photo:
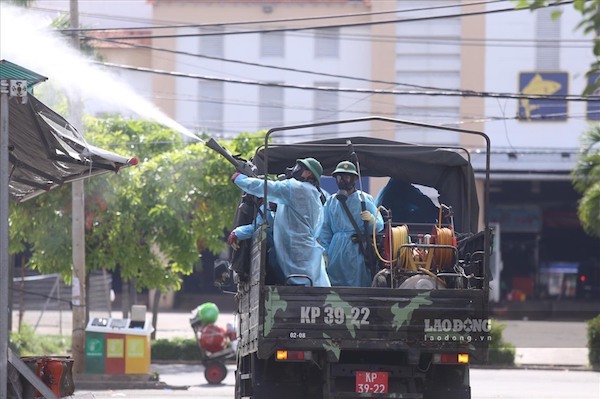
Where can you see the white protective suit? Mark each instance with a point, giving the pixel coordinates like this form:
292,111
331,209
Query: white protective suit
346,266
298,221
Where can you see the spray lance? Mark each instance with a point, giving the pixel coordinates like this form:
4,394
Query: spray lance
246,211
363,206
241,165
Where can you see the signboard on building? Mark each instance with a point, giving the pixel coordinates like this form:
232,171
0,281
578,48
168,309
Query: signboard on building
543,84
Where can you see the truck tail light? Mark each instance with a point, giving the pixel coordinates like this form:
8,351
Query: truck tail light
292,356
451,358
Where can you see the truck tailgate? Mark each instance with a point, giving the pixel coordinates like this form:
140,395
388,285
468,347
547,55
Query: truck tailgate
312,318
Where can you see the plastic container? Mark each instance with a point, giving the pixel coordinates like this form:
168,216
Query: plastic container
56,372
207,313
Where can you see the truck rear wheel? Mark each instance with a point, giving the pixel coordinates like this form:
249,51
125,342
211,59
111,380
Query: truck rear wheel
266,379
445,382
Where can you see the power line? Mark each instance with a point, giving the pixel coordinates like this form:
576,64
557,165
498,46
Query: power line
406,110
349,25
337,76
452,41
98,16
551,43
451,93
447,124
285,20
440,40
466,42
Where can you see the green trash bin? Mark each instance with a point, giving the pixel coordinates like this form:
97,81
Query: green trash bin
94,352
117,346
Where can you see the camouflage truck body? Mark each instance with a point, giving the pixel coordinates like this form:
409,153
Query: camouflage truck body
373,342
342,330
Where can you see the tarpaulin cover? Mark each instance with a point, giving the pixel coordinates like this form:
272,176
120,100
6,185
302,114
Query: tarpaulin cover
46,151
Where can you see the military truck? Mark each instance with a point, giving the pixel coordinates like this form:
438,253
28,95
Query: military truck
415,332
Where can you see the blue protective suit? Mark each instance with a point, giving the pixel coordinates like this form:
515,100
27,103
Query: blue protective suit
245,232
297,223
346,266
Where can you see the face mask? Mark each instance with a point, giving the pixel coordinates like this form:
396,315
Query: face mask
344,181
297,173
288,174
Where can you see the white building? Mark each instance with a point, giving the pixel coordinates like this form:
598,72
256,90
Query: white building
483,48
535,145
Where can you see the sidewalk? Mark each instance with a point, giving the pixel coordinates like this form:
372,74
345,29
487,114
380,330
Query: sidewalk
546,309
569,358
538,343
548,343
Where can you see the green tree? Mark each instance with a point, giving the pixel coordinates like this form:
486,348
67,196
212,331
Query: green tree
151,221
586,180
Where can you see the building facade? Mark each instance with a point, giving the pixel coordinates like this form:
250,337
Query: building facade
535,147
251,65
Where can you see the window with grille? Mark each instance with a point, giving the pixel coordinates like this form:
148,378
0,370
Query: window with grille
327,42
270,112
326,104
272,44
211,106
212,45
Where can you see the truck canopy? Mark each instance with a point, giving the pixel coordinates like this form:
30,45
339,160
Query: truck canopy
442,168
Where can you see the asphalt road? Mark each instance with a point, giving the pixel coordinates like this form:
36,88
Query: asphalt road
485,384
545,343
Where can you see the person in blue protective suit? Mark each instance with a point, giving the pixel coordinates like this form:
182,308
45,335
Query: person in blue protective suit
299,218
345,261
245,232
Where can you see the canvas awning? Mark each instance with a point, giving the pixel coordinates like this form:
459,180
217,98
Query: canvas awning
46,151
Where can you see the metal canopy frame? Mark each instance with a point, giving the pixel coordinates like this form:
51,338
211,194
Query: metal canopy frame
39,177
9,71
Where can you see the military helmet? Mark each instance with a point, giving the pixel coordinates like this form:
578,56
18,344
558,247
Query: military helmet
345,167
313,166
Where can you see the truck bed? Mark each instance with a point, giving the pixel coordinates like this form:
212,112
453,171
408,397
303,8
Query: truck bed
380,319
348,318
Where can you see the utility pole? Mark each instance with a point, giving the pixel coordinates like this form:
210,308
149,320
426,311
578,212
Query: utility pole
4,285
77,230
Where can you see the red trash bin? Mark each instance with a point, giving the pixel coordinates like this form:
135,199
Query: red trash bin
55,372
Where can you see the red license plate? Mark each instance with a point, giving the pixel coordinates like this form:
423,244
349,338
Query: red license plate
372,381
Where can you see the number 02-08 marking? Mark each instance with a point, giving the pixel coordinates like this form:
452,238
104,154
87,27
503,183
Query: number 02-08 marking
337,315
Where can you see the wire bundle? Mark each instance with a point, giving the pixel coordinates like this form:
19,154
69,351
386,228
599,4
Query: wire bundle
416,259
400,237
443,257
